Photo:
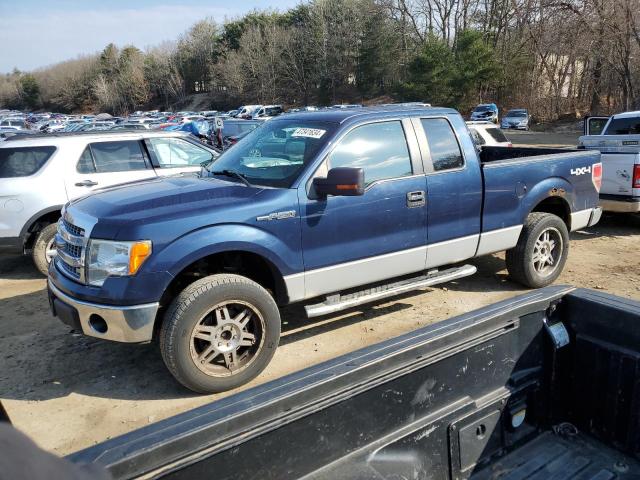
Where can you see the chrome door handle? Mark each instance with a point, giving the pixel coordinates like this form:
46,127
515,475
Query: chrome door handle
86,183
416,199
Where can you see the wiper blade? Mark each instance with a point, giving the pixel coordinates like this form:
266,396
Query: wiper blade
233,174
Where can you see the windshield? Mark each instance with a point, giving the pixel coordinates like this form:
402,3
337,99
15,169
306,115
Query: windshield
517,114
624,126
274,154
483,108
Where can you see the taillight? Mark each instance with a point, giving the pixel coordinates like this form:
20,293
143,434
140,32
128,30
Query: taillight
596,175
636,176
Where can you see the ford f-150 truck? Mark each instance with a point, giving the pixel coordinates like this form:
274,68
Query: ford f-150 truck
354,205
541,387
619,142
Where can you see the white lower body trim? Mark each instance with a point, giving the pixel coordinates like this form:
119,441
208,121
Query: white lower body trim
580,219
498,240
335,278
360,272
451,251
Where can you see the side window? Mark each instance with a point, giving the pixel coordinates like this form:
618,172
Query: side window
380,149
445,151
120,156
174,152
85,164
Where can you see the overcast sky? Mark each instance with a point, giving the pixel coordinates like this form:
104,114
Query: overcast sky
36,33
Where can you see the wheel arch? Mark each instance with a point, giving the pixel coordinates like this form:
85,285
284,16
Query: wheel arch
239,261
37,221
557,206
553,195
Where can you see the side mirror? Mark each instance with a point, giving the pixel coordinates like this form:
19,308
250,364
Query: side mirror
341,181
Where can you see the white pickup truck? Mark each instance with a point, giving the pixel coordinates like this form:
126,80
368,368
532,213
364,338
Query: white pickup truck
618,138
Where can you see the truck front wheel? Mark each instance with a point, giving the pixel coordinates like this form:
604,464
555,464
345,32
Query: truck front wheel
542,250
219,333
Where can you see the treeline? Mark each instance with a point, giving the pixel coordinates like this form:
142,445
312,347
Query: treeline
556,57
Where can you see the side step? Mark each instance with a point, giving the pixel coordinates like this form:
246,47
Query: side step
337,302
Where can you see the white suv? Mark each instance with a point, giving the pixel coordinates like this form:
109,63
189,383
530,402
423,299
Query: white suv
39,174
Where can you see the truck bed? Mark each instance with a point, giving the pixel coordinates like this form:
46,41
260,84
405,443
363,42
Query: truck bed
552,456
516,179
544,386
508,154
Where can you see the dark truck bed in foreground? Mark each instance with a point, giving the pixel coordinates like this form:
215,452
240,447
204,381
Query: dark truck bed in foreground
495,393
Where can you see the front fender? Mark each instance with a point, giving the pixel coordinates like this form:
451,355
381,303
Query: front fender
198,244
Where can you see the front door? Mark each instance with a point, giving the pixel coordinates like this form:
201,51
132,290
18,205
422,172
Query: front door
171,155
351,241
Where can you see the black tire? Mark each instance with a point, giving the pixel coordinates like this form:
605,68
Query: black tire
520,259
43,241
195,307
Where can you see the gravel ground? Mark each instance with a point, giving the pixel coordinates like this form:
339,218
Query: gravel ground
68,391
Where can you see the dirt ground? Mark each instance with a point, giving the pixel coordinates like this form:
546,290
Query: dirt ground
68,391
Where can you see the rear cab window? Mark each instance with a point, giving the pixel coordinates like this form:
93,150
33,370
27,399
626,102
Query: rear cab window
23,161
443,144
624,126
497,134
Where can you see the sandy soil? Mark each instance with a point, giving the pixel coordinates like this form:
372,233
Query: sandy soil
68,391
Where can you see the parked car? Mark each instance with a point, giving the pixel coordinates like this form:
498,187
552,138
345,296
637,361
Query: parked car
247,111
131,126
541,386
485,111
15,123
41,173
309,205
618,138
488,134
268,112
517,118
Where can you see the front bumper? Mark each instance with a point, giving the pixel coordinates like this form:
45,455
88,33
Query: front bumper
129,324
623,205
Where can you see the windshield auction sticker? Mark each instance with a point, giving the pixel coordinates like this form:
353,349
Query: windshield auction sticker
308,132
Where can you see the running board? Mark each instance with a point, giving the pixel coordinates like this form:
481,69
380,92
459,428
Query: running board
337,302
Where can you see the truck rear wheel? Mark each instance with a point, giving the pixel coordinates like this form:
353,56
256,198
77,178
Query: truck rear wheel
542,250
219,333
43,248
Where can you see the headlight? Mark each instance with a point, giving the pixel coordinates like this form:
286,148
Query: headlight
107,258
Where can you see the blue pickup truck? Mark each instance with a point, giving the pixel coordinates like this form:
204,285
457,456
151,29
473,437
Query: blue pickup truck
334,208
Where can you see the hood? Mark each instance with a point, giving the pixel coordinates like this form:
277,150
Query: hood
515,119
128,210
486,113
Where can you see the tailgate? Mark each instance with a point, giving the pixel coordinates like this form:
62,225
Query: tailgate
620,154
617,173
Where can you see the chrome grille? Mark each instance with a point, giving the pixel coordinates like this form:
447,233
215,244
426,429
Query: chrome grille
73,272
70,245
72,229
73,250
